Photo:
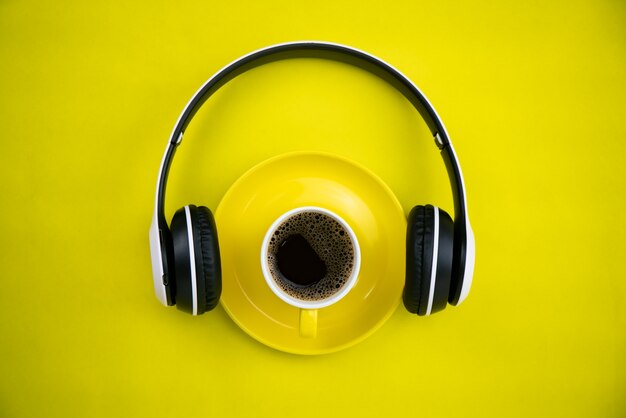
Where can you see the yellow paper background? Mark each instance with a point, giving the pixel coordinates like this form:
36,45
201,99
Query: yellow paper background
534,97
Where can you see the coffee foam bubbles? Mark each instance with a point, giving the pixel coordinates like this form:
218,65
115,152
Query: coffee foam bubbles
330,241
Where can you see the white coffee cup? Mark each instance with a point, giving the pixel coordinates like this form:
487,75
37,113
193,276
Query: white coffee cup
313,224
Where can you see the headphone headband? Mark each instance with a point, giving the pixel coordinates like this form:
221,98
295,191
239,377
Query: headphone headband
463,258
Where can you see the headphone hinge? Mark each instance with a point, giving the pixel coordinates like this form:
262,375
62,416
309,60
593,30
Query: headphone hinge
439,141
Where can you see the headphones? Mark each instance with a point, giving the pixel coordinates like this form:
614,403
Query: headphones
440,252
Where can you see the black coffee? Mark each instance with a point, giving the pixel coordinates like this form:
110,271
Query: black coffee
298,262
310,256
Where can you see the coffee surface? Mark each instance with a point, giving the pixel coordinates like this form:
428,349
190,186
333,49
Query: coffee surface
310,256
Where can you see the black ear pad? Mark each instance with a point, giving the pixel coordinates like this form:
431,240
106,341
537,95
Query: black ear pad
421,255
208,251
205,258
419,228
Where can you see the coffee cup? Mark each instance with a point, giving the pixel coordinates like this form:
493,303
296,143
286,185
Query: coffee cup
310,259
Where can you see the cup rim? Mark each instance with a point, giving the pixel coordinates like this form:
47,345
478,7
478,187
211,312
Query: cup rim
302,304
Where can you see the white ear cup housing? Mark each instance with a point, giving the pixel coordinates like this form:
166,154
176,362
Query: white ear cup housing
470,260
156,256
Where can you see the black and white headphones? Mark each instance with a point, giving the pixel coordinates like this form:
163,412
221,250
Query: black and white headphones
440,253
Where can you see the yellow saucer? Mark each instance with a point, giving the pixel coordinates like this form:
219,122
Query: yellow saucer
351,191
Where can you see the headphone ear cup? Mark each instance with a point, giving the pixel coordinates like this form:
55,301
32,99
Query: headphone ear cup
209,251
419,230
197,266
430,233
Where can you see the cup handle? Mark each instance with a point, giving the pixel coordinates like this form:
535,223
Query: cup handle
308,323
